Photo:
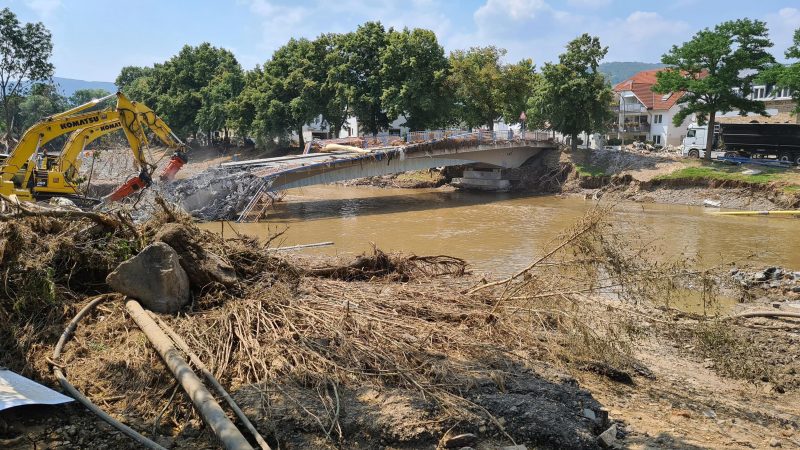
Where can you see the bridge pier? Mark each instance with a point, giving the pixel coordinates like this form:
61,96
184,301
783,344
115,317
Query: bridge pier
483,179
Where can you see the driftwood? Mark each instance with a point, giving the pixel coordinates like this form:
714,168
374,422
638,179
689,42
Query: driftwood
765,314
21,210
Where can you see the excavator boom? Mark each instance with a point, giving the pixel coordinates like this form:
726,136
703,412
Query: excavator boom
52,182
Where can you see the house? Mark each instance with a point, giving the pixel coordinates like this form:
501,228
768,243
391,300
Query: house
778,103
319,129
644,115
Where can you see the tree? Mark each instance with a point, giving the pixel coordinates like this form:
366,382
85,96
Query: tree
42,101
218,101
173,88
414,72
129,74
517,84
787,76
573,97
363,50
334,80
82,96
25,52
715,71
289,92
475,79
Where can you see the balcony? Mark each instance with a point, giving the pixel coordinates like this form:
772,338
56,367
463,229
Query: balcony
634,127
630,108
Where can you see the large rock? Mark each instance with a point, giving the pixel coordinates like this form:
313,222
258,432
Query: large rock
202,266
154,277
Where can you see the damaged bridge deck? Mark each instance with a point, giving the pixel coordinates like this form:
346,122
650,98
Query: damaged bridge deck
245,190
320,168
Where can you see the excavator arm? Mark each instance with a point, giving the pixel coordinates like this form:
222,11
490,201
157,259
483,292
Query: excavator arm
59,124
165,135
77,142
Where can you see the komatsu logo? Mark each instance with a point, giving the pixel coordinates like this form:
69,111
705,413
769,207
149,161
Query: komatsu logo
78,123
110,126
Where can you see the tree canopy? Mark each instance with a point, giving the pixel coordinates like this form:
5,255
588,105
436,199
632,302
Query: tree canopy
716,70
25,52
573,97
788,76
414,72
82,96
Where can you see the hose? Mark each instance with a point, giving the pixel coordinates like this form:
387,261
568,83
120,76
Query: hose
69,388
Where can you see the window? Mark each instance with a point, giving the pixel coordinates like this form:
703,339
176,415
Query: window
657,139
691,133
759,92
658,118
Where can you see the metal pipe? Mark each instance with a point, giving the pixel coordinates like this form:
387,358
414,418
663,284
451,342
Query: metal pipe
212,413
178,340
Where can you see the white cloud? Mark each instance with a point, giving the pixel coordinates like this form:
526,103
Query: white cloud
781,29
517,10
44,8
642,36
280,22
593,4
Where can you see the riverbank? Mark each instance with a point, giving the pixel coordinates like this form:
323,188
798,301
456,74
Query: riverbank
393,351
671,179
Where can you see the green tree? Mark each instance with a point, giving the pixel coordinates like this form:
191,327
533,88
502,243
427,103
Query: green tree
363,50
25,52
129,74
414,72
42,101
218,102
476,82
573,97
715,70
82,96
787,76
334,80
288,95
173,88
517,84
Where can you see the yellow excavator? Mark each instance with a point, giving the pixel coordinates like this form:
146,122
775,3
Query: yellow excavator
29,174
68,161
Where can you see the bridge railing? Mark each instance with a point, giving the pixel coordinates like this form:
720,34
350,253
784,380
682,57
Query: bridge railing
477,135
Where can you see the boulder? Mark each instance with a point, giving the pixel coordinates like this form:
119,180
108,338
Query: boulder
202,266
154,277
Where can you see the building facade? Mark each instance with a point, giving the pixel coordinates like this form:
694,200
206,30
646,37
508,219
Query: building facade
643,115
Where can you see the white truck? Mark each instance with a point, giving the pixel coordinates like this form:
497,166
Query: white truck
779,142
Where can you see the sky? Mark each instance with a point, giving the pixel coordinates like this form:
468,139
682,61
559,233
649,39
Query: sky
94,39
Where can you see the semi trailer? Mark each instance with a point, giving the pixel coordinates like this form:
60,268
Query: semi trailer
779,141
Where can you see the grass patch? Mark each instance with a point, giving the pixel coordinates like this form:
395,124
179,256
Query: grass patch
725,173
589,170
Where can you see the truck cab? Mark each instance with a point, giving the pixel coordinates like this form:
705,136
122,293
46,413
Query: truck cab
694,144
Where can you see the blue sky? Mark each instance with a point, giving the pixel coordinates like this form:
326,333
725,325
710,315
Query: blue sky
93,39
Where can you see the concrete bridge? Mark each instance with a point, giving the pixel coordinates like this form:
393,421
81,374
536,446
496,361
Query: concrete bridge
488,151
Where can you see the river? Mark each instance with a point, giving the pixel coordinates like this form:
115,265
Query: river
501,233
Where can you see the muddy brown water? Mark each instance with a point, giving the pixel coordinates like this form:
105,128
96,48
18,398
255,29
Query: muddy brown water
501,233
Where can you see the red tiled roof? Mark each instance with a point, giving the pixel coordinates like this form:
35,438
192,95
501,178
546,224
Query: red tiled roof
641,84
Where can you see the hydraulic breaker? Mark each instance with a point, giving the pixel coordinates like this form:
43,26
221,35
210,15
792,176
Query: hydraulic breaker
131,186
173,166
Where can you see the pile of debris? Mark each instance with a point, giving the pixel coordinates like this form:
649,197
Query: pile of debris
770,278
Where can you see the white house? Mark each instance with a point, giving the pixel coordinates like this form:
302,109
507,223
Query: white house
646,116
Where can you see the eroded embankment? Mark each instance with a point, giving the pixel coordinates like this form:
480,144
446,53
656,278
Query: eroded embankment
384,351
